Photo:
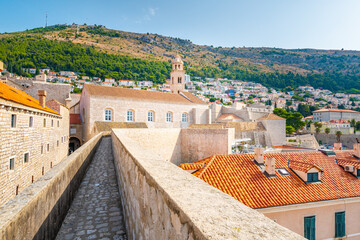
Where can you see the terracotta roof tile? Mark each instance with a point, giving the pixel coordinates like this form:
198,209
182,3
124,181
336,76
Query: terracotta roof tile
302,166
271,116
228,117
17,96
335,110
239,176
142,95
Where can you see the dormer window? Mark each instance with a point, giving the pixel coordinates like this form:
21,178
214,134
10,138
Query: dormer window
308,172
312,177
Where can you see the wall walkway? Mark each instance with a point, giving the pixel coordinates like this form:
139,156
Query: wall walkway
96,212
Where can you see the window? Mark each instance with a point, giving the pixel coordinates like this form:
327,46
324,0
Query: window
309,227
184,117
42,149
340,224
31,121
168,117
26,157
108,115
48,147
13,120
313,177
151,116
52,123
58,123
57,143
358,173
44,122
179,79
12,164
130,116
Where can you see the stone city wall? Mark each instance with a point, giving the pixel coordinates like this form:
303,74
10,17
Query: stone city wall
45,146
348,140
37,212
183,145
161,201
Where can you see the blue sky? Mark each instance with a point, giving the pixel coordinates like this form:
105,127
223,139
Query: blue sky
323,24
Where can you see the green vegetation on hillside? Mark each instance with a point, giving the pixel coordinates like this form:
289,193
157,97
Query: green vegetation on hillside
35,52
29,49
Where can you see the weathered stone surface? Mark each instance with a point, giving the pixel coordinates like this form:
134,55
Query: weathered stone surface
37,212
188,208
97,202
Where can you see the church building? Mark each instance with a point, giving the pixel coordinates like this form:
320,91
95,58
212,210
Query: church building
102,106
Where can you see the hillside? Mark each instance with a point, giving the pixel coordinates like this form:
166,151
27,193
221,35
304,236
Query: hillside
97,51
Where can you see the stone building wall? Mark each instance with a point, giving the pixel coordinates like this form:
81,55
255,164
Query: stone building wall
161,201
94,109
15,142
57,91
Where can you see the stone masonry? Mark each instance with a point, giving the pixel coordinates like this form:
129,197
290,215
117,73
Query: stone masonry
96,210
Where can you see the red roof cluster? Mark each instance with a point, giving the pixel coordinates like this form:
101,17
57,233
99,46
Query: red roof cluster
239,176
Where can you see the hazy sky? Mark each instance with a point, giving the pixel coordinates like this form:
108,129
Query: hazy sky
325,24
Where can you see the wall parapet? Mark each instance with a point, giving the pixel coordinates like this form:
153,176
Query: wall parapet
161,201
38,211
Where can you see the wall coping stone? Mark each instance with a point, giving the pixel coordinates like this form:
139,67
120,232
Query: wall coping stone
210,213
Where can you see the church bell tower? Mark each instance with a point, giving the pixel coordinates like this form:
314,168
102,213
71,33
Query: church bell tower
177,75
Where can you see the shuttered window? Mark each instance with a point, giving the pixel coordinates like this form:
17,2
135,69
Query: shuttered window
309,227
312,177
358,173
340,224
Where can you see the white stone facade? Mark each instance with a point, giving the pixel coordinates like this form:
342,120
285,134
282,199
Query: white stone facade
45,146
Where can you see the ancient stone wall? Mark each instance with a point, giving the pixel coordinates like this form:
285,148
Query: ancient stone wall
161,201
34,149
37,212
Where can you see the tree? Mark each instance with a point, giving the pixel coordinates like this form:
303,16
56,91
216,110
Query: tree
318,127
304,110
292,119
352,123
290,130
327,131
338,136
341,106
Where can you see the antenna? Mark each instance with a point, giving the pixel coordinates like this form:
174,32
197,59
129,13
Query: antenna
77,28
46,19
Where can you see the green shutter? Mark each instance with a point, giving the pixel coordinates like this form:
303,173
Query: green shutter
309,227
340,224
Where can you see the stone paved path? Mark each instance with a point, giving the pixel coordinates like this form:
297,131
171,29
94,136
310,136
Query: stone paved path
95,212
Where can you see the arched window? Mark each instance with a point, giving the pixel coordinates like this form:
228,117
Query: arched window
172,80
169,117
184,117
130,116
108,115
151,116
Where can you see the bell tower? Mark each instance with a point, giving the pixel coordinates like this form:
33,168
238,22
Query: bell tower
177,75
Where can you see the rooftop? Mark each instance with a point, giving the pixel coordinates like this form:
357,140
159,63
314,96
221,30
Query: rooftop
15,95
142,95
335,110
239,176
271,116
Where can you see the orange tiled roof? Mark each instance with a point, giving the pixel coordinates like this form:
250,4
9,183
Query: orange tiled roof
15,95
335,110
228,116
302,166
271,116
142,95
239,176
352,162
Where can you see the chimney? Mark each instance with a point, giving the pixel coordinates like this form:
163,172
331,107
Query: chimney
357,150
270,167
67,102
259,155
337,146
42,98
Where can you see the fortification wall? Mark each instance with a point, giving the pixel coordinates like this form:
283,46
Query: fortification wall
161,201
348,140
38,211
197,144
